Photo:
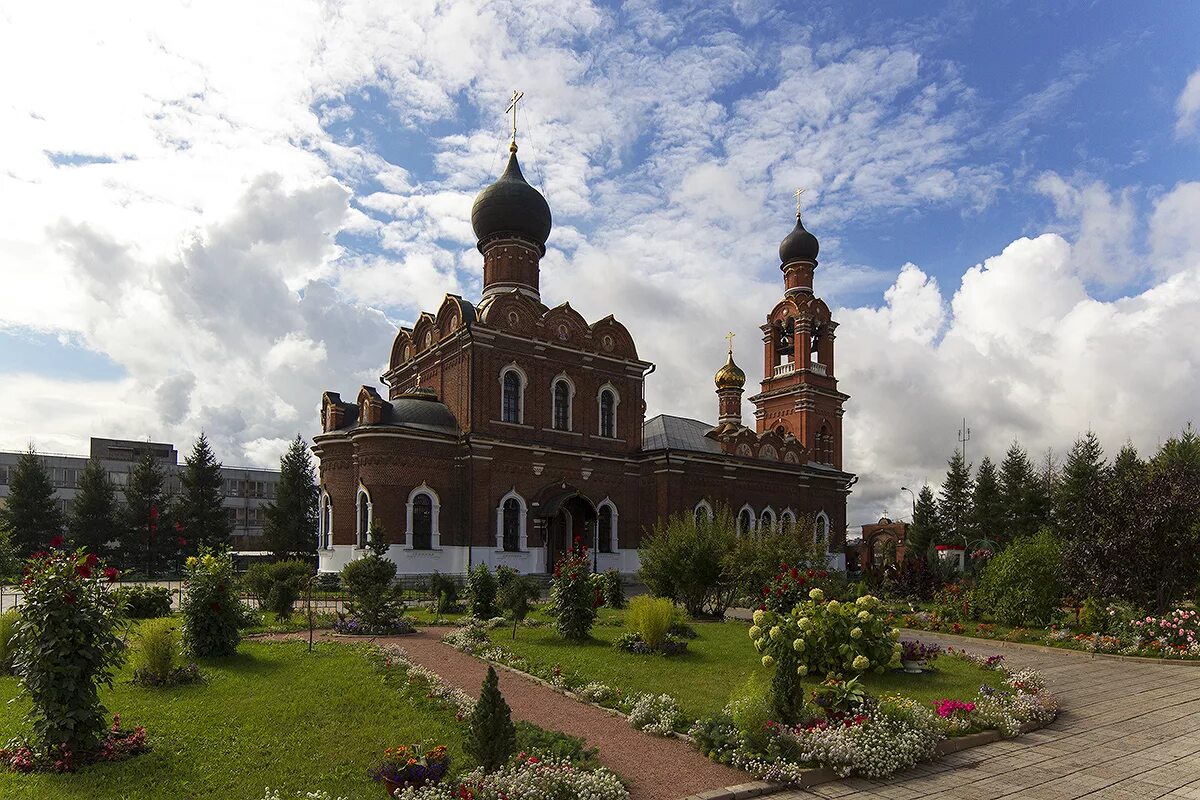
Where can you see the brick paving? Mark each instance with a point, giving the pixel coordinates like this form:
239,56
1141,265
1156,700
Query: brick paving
1127,729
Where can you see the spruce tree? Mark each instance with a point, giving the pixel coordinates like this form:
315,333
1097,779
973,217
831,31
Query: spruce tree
1120,527
987,505
1079,509
924,531
954,501
31,510
199,510
291,526
145,504
1019,495
492,739
94,520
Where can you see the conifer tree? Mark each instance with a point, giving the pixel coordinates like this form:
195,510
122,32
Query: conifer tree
1079,509
924,531
493,738
291,526
987,506
94,520
954,501
31,510
1120,527
1019,495
145,502
199,510
1169,514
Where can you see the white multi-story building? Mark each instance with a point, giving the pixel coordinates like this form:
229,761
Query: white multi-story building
247,490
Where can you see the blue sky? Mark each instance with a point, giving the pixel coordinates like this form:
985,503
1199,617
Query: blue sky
210,214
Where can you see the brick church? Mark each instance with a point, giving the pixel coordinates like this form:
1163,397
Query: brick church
509,427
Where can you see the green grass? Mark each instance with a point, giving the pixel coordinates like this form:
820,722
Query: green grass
273,715
718,664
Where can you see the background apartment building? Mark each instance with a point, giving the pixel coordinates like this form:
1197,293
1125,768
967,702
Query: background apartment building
248,490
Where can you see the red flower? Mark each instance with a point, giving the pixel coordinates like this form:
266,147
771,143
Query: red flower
70,598
83,571
179,526
56,541
182,542
795,573
91,560
112,574
153,512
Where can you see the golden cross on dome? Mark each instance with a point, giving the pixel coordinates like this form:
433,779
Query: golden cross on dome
729,337
797,194
512,106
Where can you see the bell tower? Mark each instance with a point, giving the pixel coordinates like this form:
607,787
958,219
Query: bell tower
799,395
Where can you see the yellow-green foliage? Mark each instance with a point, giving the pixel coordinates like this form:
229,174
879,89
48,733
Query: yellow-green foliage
651,617
8,629
158,646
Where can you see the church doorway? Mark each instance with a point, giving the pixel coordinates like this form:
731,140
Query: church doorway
569,516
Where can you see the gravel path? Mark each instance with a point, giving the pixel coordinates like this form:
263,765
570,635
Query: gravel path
655,768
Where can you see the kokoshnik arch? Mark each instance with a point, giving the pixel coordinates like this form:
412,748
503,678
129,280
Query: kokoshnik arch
510,427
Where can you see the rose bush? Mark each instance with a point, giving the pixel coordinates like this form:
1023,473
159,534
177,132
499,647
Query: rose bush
573,598
210,607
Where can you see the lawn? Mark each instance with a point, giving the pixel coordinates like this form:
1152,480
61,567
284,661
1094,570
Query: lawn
718,663
273,715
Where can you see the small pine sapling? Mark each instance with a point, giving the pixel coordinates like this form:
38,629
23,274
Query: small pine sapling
492,739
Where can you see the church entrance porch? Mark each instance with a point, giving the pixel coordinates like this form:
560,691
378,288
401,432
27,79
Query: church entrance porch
569,516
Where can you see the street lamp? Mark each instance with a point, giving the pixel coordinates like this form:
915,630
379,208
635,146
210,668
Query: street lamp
914,501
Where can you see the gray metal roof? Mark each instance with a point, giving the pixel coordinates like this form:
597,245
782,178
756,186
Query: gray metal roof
416,412
665,432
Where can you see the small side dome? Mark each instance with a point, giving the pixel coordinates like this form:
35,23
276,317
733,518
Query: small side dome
799,245
510,207
730,376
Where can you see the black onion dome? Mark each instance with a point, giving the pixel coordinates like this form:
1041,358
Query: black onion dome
511,207
799,245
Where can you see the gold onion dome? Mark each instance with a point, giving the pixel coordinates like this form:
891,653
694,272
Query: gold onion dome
730,376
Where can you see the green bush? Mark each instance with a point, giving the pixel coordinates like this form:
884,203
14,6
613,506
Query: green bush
278,585
144,602
651,617
8,631
824,638
504,574
374,595
1093,617
66,648
211,611
684,561
157,650
572,596
491,738
542,743
445,592
514,599
612,591
481,588
756,558
1023,584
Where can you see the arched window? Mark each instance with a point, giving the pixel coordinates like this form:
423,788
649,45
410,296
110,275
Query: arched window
608,413
766,522
821,533
745,521
422,522
510,409
562,394
787,521
606,527
768,452
511,525
363,515
325,522
744,450
703,511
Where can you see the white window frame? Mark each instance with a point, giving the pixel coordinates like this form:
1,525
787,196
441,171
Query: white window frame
522,530
607,387
708,509
768,512
325,521
821,529
788,515
524,380
435,536
361,539
753,519
613,539
562,376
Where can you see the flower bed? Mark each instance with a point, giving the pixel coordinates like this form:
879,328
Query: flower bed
527,778
351,626
117,745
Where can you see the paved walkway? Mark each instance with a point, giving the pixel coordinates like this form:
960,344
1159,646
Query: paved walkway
1128,729
655,768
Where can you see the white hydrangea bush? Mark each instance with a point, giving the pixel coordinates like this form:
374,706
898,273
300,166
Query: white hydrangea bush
658,714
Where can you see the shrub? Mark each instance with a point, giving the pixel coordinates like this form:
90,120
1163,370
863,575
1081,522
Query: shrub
514,599
756,558
211,612
823,638
683,560
278,585
481,587
656,714
8,631
952,603
789,587
445,592
750,710
504,574
155,660
1023,584
492,739
66,647
542,743
374,596
525,779
614,589
650,617
572,595
1094,616
144,602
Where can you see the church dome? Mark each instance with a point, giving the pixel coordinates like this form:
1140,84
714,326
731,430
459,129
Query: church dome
510,207
730,376
799,245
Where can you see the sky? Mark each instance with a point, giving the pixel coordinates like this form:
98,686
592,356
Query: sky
211,212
